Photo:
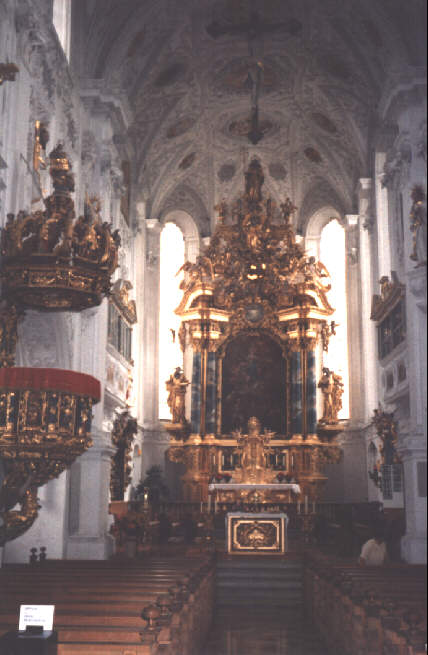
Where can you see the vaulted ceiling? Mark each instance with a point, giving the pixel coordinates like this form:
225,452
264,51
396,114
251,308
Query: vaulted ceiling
183,66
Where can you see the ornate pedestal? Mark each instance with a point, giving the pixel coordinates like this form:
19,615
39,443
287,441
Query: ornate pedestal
256,534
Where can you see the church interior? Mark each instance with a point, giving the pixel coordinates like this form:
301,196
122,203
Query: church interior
213,327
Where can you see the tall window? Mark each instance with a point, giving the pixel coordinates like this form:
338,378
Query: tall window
61,18
332,255
170,355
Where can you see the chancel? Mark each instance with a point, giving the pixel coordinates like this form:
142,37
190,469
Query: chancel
213,325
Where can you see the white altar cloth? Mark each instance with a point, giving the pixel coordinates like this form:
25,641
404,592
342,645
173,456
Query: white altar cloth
295,488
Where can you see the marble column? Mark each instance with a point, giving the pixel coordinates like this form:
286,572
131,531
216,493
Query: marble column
88,519
296,392
311,393
196,393
210,415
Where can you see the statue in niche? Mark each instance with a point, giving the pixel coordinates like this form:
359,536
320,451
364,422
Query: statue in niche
176,387
418,225
332,389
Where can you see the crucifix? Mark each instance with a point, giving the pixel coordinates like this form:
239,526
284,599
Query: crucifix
254,28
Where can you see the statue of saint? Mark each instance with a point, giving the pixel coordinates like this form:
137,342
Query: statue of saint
253,448
332,388
176,387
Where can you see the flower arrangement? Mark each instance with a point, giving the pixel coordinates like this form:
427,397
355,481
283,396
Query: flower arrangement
222,477
285,477
130,524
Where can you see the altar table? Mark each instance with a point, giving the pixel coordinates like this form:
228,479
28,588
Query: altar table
279,486
264,533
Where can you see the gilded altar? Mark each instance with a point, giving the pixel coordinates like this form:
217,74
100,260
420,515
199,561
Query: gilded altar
256,534
254,326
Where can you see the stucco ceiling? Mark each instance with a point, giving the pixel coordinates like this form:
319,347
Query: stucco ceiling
183,66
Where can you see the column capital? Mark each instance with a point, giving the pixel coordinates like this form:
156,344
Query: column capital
365,184
154,225
412,446
351,220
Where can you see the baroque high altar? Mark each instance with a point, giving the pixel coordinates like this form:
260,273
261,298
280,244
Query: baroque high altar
255,315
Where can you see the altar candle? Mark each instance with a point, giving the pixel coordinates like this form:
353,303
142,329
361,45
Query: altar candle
306,504
298,507
202,506
209,502
215,506
313,507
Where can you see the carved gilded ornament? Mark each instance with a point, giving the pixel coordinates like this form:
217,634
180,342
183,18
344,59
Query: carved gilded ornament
42,431
8,72
391,292
253,449
122,436
253,274
120,297
52,261
9,317
386,428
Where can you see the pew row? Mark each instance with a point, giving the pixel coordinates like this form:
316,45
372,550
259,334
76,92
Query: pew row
116,608
367,610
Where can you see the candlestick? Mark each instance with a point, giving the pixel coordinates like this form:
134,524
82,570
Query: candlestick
298,507
306,504
209,503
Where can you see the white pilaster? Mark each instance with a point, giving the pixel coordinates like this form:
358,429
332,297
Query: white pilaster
89,521
412,448
368,328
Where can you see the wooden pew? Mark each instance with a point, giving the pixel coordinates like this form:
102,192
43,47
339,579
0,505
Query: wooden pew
367,609
99,605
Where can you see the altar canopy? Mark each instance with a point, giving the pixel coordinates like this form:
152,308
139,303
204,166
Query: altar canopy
253,314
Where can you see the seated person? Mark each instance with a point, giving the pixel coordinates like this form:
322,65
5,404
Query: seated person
373,552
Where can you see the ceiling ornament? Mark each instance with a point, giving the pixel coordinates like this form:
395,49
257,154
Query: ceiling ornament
8,72
253,26
226,172
244,128
334,64
233,77
187,161
169,75
322,121
180,127
313,155
277,171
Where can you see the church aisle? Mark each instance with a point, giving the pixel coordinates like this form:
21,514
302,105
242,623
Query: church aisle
264,631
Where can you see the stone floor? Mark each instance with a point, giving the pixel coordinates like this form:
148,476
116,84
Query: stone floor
239,631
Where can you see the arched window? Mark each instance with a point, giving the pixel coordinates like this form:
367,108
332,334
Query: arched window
61,18
170,354
333,256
